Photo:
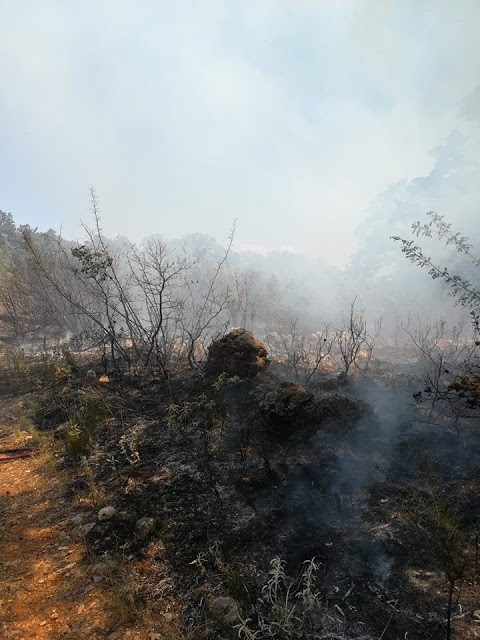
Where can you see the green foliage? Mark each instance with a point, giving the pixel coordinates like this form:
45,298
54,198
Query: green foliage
80,429
94,264
224,380
129,442
27,371
466,292
204,411
289,607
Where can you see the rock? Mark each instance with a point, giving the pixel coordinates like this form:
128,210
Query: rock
239,353
224,609
287,405
330,383
144,527
83,529
78,519
341,410
106,513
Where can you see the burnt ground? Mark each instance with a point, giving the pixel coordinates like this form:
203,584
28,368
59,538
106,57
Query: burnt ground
386,503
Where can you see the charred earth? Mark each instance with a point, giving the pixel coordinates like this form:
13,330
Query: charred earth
250,485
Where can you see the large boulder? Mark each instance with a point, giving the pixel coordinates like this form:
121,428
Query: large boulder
288,404
239,353
291,409
341,410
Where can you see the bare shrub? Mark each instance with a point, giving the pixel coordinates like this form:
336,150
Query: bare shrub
150,306
353,341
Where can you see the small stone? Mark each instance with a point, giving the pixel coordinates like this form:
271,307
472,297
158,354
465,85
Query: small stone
144,527
224,609
78,519
106,513
66,568
80,532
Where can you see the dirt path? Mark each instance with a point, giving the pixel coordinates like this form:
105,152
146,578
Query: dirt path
45,590
48,588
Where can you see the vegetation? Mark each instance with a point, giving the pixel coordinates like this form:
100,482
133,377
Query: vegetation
198,482
451,380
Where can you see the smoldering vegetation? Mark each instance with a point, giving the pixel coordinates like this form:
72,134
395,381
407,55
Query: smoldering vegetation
303,465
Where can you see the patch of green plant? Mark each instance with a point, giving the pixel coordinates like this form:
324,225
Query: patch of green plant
36,412
289,607
224,380
80,429
129,442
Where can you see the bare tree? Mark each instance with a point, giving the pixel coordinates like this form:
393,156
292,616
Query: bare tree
147,306
354,343
206,308
443,355
303,354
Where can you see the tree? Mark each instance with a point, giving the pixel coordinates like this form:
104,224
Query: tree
456,376
354,342
466,293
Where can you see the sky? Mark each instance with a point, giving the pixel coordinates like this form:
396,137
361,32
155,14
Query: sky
292,117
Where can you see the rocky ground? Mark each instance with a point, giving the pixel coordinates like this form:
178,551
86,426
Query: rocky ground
52,585
200,502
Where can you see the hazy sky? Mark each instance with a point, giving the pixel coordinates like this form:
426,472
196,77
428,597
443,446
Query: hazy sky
291,116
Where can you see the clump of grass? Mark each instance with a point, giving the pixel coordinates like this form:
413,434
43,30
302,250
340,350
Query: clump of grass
80,429
96,494
224,380
26,371
129,442
124,587
42,440
289,607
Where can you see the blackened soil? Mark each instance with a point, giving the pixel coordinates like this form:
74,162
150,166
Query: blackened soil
229,492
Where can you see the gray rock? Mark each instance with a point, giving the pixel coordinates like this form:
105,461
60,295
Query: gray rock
106,513
341,410
144,527
83,529
224,609
287,403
